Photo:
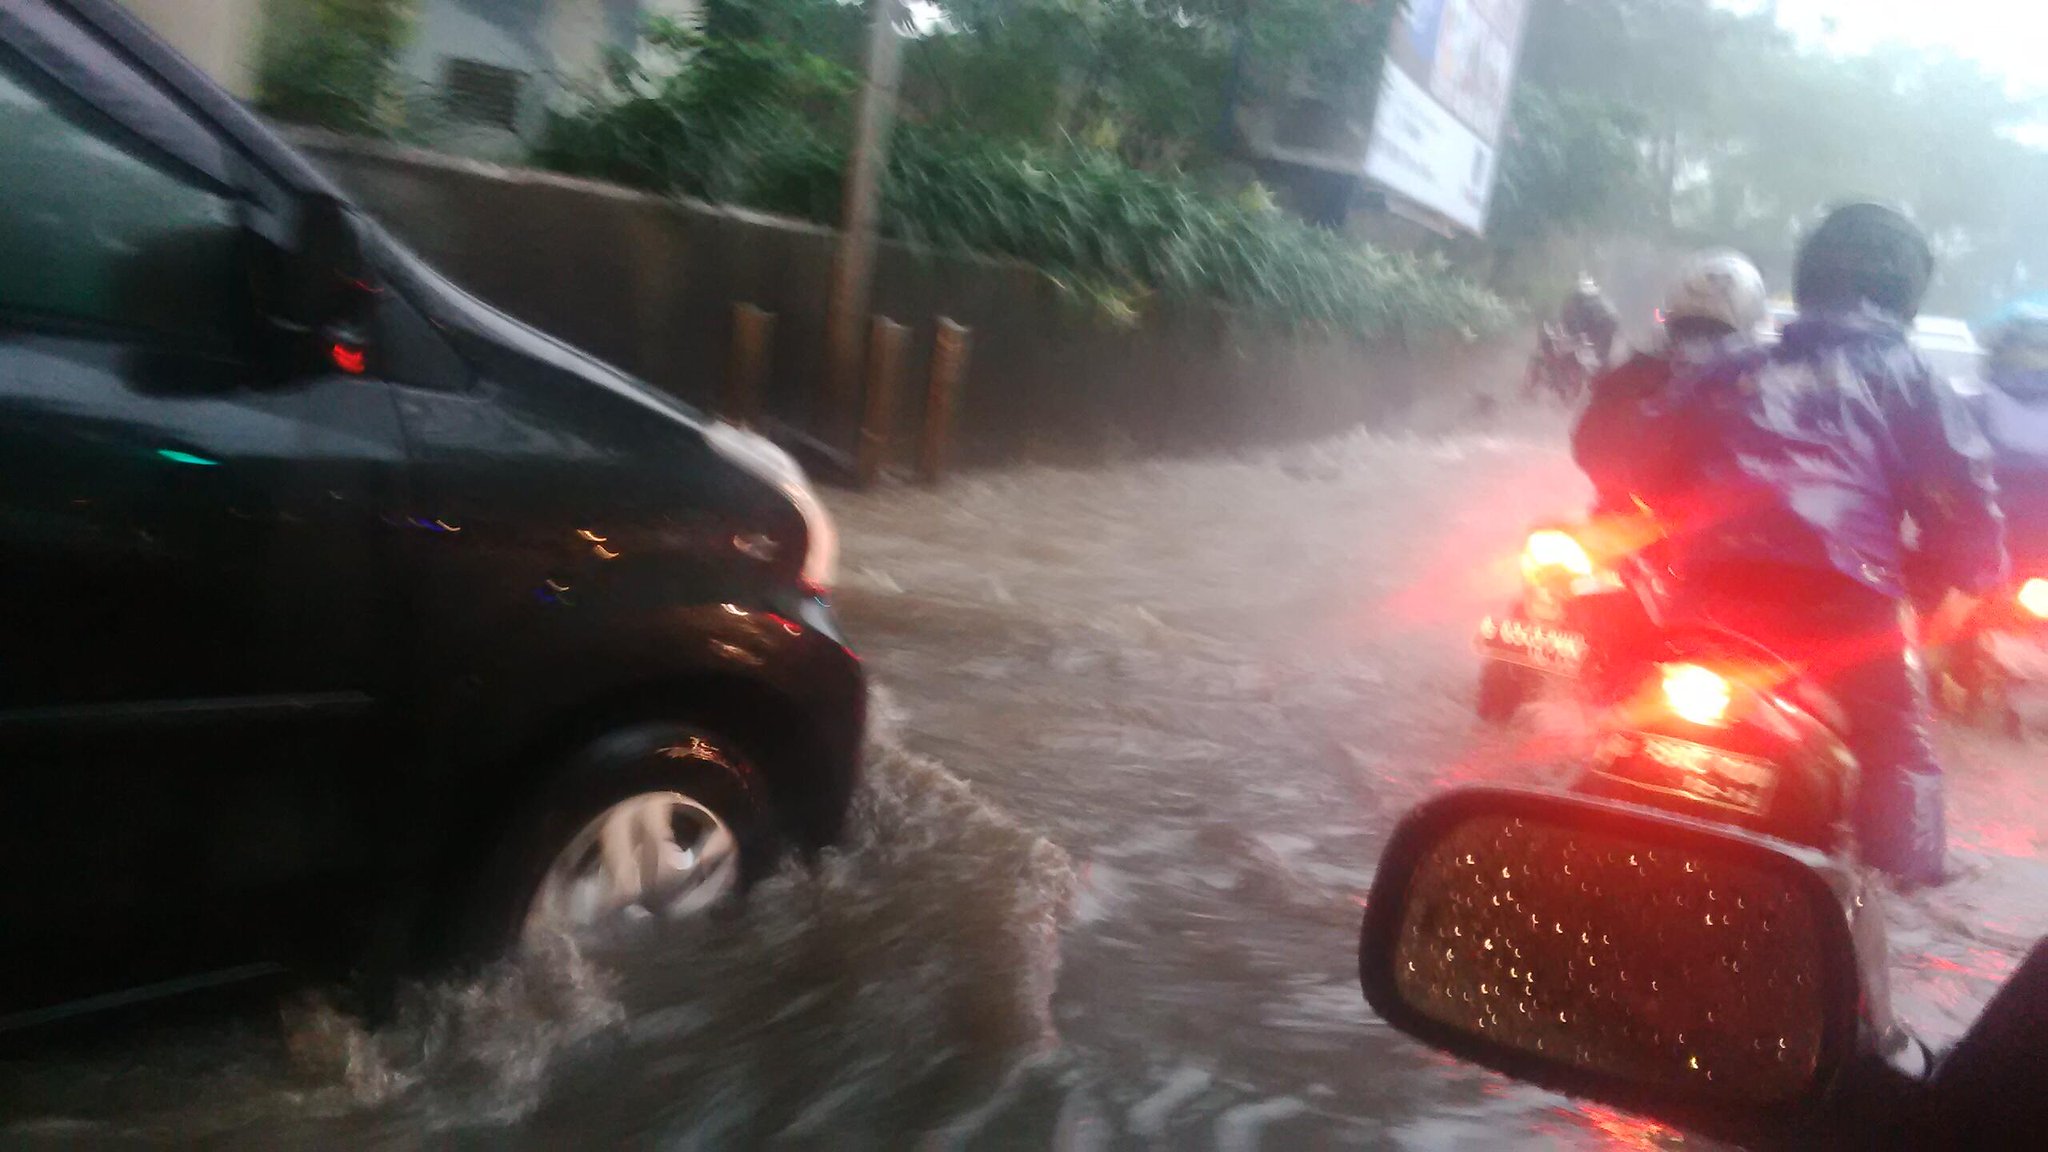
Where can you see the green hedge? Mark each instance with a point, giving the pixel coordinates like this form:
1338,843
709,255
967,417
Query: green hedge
762,124
334,63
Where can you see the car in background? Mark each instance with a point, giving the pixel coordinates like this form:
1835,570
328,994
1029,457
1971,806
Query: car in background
347,624
1949,345
1952,350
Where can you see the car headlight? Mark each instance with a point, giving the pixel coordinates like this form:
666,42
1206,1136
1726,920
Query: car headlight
761,457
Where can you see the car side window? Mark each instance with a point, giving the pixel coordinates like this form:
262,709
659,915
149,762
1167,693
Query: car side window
99,229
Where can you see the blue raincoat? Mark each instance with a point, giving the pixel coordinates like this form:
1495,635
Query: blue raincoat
2013,411
1788,476
1814,454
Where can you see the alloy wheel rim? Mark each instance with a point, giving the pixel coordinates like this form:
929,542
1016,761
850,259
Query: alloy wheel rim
657,855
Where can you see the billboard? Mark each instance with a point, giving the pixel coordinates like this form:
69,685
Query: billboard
1443,103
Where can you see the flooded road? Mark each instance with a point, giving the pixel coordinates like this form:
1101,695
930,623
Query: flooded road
1140,735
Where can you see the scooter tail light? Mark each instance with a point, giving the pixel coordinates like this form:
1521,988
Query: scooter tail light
1550,550
2033,598
1697,695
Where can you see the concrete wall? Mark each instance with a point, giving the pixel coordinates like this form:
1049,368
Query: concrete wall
218,35
649,283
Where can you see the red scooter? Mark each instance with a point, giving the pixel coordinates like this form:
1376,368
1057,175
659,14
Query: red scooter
1588,599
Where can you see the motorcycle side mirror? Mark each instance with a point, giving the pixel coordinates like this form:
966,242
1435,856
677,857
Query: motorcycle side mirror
1689,972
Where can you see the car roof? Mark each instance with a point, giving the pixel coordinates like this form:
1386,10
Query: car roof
1944,327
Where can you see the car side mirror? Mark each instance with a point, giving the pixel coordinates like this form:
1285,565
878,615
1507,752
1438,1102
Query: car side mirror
1693,973
314,291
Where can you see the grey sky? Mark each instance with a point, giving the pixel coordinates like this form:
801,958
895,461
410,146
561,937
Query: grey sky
2009,37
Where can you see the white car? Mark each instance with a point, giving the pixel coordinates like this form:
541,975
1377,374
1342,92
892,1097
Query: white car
1949,345
1951,350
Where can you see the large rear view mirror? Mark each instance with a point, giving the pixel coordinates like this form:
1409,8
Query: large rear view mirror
1663,965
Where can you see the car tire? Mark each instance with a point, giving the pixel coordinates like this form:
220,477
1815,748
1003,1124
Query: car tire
1503,689
554,857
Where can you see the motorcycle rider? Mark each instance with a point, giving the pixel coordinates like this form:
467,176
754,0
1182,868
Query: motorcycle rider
1589,317
1715,308
2013,411
1797,469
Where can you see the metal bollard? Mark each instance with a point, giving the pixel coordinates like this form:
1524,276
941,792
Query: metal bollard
949,363
753,334
885,361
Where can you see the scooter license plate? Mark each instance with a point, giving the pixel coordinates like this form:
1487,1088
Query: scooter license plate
1540,646
1697,771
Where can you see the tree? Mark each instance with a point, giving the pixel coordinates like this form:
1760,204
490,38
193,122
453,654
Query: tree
1152,81
334,63
1744,139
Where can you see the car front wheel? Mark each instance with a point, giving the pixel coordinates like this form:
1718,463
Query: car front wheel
652,822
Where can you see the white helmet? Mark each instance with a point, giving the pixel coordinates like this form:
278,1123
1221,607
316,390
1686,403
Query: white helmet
1721,285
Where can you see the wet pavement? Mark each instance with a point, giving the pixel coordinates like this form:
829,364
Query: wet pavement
1140,734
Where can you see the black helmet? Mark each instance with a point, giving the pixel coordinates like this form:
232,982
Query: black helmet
1864,252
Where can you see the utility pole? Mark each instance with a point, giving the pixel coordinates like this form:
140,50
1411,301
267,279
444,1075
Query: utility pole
854,261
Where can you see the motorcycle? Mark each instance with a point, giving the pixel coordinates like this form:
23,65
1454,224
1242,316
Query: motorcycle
1563,366
2001,660
1588,596
1710,978
1693,717
1720,728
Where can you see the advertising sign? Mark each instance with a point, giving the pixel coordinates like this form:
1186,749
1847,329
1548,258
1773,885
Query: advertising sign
1443,103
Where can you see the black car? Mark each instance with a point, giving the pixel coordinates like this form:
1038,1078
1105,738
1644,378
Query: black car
345,623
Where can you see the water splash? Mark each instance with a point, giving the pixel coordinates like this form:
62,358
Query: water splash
887,991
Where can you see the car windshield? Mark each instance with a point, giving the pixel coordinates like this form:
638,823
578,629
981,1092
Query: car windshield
1112,459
